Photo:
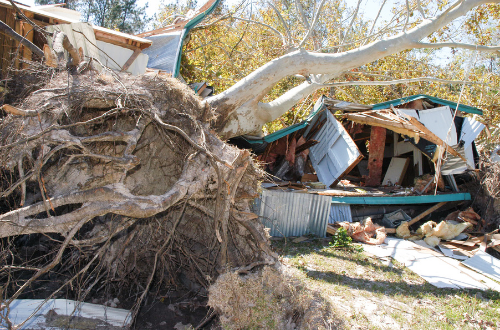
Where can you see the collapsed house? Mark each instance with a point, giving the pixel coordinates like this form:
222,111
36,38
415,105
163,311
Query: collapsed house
159,50
379,170
348,161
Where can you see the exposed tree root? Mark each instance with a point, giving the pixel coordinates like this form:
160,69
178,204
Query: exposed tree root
115,185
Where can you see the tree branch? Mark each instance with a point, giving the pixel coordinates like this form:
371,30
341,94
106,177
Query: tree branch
289,35
399,81
240,105
278,33
19,38
309,32
457,45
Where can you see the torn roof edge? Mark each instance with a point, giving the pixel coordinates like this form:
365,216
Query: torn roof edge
407,99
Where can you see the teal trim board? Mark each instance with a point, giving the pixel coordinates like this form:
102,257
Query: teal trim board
461,107
387,200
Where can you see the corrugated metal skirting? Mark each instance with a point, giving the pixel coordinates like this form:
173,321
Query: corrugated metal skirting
293,214
340,213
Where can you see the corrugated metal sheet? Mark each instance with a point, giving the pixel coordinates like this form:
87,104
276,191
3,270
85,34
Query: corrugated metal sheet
164,53
82,35
293,214
340,213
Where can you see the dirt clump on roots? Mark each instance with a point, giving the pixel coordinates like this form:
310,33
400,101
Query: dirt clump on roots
268,299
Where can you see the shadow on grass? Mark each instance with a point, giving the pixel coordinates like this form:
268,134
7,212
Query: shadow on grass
395,288
387,287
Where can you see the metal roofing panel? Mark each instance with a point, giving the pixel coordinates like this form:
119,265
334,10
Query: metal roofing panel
293,214
35,311
164,53
394,200
462,107
84,38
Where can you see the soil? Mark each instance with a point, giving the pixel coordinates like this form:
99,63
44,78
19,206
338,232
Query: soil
165,315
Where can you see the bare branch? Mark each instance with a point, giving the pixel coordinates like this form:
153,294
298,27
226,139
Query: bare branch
375,20
399,81
289,35
457,45
407,15
421,10
302,14
310,31
278,33
352,22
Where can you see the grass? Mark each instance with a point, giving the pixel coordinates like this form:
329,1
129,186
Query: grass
370,293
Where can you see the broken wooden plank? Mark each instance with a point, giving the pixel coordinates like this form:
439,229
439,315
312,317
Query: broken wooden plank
131,59
305,146
426,212
331,229
398,127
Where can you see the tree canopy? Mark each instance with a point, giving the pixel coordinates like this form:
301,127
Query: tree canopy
123,15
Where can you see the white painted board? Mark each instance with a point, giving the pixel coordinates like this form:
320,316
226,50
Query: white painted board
395,173
21,310
114,57
438,270
335,152
471,128
438,121
485,264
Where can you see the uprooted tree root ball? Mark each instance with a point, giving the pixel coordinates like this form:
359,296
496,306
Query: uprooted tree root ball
269,299
114,185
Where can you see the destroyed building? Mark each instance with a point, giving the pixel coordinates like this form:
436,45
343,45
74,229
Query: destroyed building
348,161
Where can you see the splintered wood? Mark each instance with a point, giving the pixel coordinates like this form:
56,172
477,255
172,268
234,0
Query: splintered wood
402,124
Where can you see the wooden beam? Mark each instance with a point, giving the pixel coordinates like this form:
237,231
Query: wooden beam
405,129
425,213
16,36
131,60
376,156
